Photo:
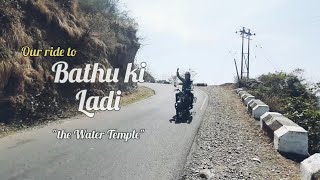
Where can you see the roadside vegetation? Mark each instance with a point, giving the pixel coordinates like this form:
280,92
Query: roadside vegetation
291,95
139,94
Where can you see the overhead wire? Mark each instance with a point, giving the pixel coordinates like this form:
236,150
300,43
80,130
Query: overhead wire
259,46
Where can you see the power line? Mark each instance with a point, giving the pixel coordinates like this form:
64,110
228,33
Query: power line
315,19
258,45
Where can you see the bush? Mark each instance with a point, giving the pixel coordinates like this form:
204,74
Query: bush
287,93
95,6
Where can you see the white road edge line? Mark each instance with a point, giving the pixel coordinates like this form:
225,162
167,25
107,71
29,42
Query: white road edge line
204,101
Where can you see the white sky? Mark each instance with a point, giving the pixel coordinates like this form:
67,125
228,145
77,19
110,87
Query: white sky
200,34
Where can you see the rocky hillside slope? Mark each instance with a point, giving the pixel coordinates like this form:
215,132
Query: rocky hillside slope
27,91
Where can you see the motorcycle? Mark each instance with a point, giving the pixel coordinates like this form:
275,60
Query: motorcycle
183,104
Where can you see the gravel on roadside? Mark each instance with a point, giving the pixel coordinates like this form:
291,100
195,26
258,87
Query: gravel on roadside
231,145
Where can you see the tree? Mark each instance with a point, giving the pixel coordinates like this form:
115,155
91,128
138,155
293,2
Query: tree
102,6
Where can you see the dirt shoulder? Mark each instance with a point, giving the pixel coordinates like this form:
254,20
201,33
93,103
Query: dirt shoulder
231,145
141,93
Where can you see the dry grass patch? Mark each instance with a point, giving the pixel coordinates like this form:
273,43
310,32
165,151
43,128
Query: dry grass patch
141,93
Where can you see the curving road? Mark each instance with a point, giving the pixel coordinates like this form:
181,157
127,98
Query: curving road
160,153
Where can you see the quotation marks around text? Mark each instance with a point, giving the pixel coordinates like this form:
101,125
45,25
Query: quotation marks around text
84,134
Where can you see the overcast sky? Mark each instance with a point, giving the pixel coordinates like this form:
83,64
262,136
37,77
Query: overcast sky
200,34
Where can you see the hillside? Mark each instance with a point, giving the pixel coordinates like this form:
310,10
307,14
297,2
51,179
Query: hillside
27,91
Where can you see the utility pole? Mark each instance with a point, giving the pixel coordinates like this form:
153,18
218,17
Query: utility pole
235,63
242,36
245,57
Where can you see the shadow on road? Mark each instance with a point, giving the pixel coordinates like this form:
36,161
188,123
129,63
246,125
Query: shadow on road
186,119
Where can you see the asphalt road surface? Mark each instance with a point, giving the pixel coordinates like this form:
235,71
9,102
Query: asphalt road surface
160,153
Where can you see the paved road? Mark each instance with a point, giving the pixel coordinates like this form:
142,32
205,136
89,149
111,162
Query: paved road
160,153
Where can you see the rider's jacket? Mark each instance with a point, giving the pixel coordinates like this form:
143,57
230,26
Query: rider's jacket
186,83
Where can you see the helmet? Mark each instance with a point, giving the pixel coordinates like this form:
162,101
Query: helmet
187,74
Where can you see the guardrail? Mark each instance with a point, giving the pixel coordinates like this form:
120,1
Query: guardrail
288,137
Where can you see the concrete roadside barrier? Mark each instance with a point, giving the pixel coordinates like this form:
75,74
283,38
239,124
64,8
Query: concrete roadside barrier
242,93
257,108
246,98
249,103
268,122
291,140
238,90
310,168
243,96
288,137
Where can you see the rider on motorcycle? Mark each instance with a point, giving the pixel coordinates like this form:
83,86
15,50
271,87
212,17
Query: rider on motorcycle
186,86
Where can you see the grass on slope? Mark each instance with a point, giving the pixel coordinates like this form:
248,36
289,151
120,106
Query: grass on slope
141,93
